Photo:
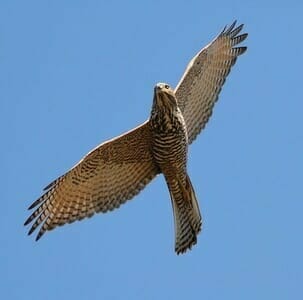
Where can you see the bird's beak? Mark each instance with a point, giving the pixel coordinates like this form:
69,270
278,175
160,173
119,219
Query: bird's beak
158,88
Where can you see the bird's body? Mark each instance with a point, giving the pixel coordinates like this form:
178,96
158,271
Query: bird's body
169,149
118,169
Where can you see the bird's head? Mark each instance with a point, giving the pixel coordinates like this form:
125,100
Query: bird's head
164,96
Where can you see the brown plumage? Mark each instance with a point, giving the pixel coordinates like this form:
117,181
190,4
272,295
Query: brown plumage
169,148
118,169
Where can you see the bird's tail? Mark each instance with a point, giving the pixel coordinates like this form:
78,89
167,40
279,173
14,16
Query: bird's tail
187,215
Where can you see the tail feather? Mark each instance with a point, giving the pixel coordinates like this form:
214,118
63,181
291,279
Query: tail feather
187,215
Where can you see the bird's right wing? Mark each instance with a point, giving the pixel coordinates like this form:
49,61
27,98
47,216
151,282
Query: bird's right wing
199,88
105,178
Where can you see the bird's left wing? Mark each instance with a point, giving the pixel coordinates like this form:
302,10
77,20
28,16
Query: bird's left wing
105,178
199,88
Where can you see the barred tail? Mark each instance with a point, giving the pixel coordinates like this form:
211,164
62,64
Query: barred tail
187,215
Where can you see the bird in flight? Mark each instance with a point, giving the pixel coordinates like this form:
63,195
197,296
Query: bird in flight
120,168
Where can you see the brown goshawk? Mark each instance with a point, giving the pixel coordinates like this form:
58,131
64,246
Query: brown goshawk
118,169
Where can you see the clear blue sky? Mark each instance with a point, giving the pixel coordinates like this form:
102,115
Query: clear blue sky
75,73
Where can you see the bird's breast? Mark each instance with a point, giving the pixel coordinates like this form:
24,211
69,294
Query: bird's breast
169,142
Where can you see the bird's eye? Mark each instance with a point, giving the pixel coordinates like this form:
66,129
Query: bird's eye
166,86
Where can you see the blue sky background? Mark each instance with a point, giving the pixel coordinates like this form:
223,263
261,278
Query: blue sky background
75,73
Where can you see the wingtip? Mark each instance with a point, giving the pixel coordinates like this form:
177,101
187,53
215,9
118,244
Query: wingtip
28,220
234,23
244,36
241,26
31,230
223,30
53,183
232,28
39,235
241,50
32,205
49,186
238,28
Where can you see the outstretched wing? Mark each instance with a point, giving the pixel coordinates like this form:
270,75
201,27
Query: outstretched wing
105,178
199,88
